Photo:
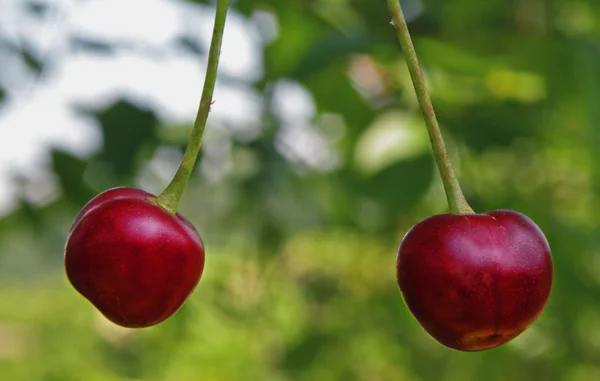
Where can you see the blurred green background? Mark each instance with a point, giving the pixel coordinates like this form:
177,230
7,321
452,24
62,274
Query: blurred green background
303,203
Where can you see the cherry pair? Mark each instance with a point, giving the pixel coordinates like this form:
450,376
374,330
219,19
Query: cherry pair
473,281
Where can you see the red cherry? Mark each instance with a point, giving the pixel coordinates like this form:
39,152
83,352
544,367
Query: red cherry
133,260
475,281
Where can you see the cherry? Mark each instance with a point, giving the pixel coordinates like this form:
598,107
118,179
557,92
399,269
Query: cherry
128,251
475,281
132,259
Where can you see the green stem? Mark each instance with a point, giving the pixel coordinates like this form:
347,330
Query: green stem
456,200
169,198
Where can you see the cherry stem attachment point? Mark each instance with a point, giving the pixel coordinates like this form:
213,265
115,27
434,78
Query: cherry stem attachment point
169,198
456,199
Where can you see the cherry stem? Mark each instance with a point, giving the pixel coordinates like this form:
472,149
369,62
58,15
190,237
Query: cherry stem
456,199
169,198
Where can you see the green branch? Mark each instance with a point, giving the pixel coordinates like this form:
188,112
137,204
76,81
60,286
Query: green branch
169,198
456,200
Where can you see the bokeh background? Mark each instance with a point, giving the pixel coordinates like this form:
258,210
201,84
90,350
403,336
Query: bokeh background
314,165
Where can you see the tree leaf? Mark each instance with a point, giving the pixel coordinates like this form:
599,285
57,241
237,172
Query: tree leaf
126,129
69,170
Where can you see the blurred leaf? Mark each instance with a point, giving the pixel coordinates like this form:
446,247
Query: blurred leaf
334,93
330,49
90,45
32,214
377,17
69,170
491,125
295,40
401,185
37,8
191,44
453,59
32,62
246,7
589,75
126,129
300,355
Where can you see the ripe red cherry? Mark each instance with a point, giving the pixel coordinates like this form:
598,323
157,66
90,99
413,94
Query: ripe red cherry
132,259
475,281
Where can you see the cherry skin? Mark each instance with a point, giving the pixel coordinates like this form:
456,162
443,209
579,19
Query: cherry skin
475,281
132,259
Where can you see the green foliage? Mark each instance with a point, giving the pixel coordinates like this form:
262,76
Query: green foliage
299,281
126,129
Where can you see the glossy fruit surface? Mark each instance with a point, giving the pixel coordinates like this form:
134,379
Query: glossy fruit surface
133,260
475,281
